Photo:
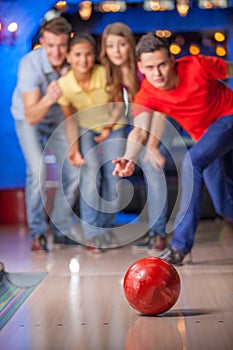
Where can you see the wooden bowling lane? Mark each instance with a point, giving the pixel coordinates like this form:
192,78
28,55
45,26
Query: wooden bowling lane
87,310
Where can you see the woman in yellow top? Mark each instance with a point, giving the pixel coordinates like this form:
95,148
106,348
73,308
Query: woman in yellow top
86,111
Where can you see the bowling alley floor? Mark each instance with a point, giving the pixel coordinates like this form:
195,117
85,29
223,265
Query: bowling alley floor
87,310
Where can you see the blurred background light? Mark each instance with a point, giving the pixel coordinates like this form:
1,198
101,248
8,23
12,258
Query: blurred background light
85,10
218,36
158,5
182,7
194,49
74,265
175,49
220,51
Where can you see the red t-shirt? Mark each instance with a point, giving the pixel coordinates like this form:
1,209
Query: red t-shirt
199,99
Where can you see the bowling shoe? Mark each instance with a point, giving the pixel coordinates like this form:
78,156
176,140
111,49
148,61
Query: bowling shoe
70,241
94,245
39,244
172,256
146,242
59,239
63,239
110,240
159,243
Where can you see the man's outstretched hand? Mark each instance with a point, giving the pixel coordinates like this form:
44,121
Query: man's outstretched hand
123,167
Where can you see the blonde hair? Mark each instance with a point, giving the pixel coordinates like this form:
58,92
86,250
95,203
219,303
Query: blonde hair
114,74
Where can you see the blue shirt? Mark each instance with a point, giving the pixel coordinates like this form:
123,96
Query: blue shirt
35,73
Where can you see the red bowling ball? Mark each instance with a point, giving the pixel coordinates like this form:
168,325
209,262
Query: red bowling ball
151,286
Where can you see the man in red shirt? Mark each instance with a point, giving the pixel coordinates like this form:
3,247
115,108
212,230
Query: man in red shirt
190,91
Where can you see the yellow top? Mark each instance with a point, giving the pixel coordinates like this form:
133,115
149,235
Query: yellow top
92,105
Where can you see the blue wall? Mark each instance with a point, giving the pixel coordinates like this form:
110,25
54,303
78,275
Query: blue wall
28,14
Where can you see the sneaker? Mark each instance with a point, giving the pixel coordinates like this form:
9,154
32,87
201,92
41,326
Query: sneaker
39,244
146,242
63,239
172,256
59,239
93,249
228,222
159,243
70,241
110,240
94,246
226,233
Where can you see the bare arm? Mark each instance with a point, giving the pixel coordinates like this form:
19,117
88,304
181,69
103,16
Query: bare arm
156,129
71,127
138,136
153,154
70,124
116,111
37,106
135,141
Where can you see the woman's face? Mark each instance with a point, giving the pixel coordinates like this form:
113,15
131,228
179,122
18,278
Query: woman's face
117,49
81,57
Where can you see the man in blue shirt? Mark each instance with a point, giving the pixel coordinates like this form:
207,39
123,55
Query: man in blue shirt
38,121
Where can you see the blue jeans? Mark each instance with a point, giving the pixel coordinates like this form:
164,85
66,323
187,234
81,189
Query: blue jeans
209,161
33,141
157,202
99,195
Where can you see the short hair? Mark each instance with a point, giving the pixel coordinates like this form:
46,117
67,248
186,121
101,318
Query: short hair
81,37
56,26
150,43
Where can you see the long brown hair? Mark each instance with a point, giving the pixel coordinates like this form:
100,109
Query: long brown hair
114,75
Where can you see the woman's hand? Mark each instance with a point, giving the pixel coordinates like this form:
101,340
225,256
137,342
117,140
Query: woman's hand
104,135
75,157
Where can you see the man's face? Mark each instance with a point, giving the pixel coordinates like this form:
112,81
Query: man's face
55,46
158,68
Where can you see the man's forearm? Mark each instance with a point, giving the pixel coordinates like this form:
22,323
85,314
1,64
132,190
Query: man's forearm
136,139
156,130
37,112
138,136
36,106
